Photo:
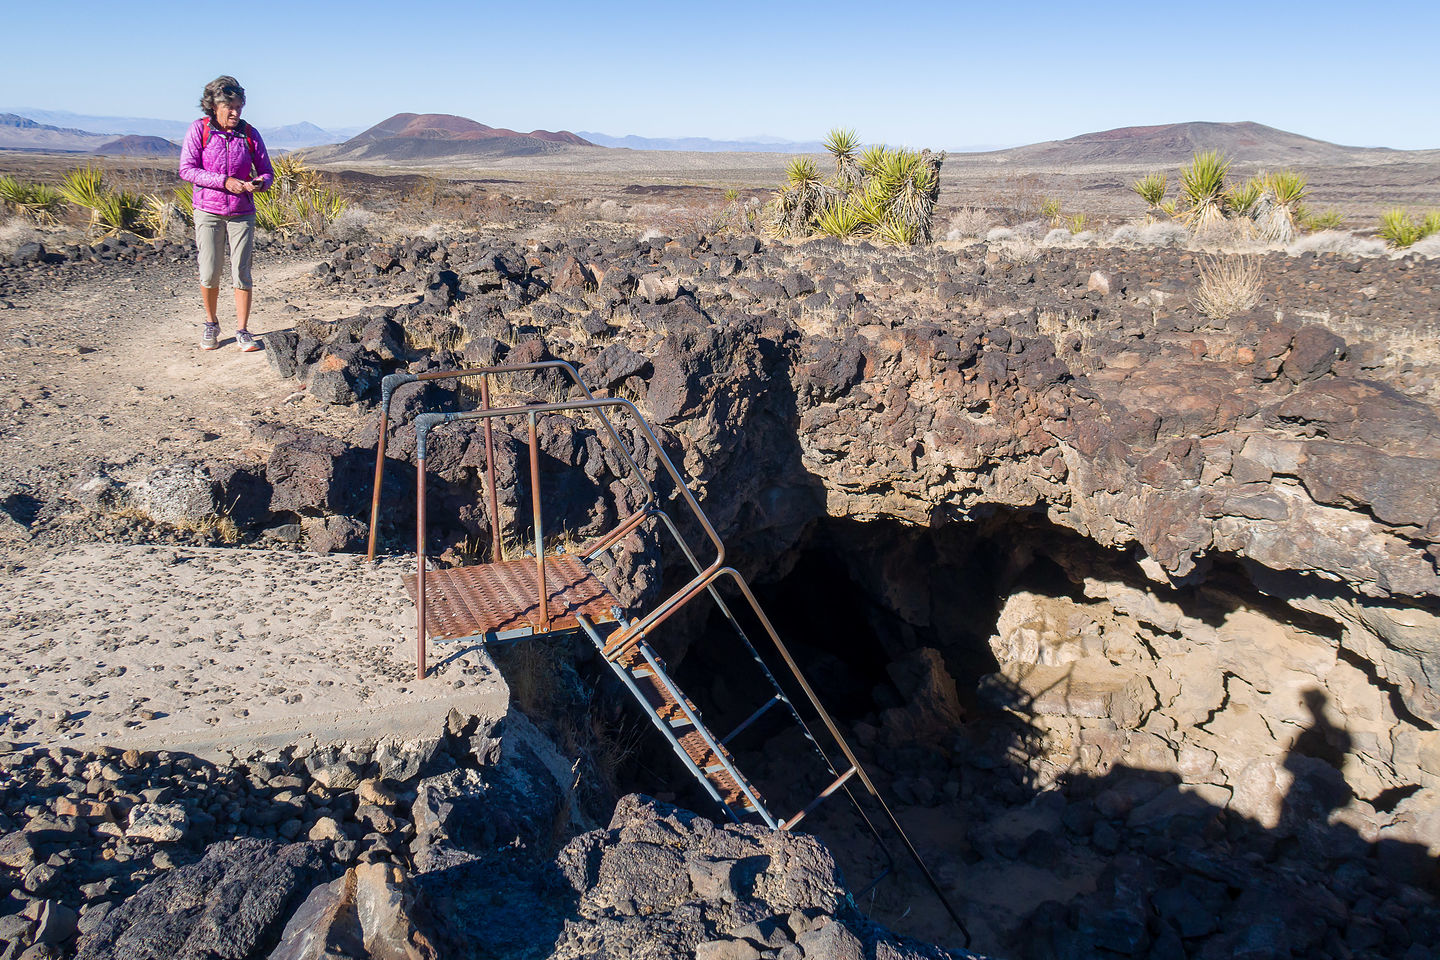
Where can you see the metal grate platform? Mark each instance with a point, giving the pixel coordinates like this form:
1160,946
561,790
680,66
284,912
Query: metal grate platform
500,599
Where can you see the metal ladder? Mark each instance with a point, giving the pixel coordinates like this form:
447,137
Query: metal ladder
551,593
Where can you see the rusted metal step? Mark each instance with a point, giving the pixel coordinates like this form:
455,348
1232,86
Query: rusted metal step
502,600
709,756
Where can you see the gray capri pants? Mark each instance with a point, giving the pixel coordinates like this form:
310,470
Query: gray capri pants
239,231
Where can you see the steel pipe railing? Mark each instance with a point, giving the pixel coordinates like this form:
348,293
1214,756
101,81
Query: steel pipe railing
393,382
426,422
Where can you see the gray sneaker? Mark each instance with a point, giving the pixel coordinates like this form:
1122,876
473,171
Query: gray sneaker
248,344
210,336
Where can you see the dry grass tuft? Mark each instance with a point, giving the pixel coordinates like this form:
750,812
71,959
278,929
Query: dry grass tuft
1228,285
1341,242
969,222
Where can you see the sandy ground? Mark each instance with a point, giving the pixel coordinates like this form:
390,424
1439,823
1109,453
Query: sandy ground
187,648
205,649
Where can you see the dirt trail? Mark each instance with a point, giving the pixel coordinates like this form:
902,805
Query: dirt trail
108,370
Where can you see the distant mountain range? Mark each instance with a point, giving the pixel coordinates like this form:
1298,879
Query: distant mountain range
289,137
443,136
421,137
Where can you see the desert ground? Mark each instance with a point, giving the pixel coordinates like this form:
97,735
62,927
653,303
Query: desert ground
1130,608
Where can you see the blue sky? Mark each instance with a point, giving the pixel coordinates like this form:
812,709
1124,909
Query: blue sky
924,74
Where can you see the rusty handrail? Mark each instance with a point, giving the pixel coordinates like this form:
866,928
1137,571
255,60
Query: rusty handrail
394,381
426,422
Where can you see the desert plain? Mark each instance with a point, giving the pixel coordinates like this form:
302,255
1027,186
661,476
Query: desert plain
1129,604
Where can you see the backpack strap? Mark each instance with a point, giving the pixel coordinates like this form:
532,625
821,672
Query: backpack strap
245,129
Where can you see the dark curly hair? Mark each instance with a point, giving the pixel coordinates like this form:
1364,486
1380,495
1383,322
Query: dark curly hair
221,90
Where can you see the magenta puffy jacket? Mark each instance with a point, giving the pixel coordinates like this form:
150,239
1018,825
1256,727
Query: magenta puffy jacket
225,155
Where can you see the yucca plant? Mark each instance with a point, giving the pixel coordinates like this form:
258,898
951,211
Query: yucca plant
1398,229
84,188
1285,190
156,215
1050,210
897,232
1430,225
841,218
1078,222
117,211
732,195
273,213
871,158
184,198
1241,200
911,185
878,187
1151,188
801,199
40,202
1324,220
843,144
1202,188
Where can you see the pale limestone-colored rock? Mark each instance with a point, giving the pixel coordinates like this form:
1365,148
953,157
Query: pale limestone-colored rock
1259,791
384,905
1083,688
326,829
1418,748
375,792
1196,763
1048,630
1202,686
1145,751
1144,606
1098,283
1416,820
158,822
324,926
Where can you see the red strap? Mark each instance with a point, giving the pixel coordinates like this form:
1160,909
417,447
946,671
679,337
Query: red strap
246,129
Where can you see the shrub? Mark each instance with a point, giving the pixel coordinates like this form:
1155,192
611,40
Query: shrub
37,201
1398,229
1162,234
841,218
885,192
1078,223
1050,210
299,198
1337,241
1284,191
1242,199
968,222
1324,220
1202,188
1228,285
1152,188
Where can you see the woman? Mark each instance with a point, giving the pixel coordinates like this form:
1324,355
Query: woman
226,160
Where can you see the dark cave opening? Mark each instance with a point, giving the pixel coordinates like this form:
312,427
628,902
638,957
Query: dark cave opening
980,789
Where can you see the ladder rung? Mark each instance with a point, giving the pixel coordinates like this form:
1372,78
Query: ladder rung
835,785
